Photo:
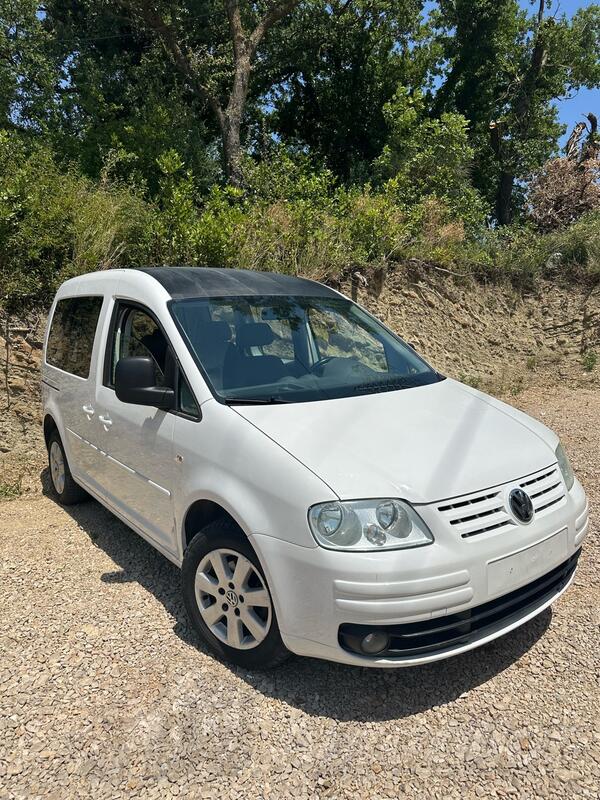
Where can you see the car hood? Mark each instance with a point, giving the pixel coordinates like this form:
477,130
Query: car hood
423,444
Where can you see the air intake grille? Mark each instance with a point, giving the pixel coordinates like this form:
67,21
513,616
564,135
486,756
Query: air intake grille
482,513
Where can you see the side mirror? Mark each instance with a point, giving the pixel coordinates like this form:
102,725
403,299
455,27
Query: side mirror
135,382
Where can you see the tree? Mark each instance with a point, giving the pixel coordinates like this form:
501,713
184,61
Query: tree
426,157
329,72
30,70
217,78
502,69
122,104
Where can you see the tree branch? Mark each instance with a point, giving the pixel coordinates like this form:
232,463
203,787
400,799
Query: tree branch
236,29
276,12
168,37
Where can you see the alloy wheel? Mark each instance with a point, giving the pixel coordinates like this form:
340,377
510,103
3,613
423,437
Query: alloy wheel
57,467
233,599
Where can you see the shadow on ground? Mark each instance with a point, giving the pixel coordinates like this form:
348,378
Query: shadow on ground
316,687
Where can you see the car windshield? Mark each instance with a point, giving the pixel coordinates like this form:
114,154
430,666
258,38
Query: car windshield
295,349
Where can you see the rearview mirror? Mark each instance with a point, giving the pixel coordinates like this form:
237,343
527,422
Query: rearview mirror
135,382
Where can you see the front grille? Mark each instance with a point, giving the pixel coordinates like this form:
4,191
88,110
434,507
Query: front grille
484,512
455,630
545,490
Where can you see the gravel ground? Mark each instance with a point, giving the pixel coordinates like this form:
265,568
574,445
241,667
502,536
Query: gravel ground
105,692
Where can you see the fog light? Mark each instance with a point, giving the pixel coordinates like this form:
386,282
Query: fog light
375,642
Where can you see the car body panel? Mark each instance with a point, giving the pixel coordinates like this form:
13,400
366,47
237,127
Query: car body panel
423,444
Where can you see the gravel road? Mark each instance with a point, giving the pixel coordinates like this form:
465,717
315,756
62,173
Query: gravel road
105,692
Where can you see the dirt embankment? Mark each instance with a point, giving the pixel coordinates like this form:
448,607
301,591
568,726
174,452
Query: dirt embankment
488,336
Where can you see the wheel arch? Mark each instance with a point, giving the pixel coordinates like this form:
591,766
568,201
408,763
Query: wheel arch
202,512
49,427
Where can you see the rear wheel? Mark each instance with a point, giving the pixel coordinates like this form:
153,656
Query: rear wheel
228,600
67,491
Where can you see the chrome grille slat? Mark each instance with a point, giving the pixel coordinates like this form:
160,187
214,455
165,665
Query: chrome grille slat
544,491
548,504
538,478
479,515
470,502
498,520
485,512
487,529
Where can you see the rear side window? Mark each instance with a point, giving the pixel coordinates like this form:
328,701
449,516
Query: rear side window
72,334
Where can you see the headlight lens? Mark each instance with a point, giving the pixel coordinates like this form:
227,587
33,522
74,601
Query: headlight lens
387,524
565,467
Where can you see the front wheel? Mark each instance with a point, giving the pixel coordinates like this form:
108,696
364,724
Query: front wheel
228,600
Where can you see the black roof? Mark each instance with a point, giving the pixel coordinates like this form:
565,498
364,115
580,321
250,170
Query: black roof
184,282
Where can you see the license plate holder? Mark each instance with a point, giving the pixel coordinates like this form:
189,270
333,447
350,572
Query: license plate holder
511,572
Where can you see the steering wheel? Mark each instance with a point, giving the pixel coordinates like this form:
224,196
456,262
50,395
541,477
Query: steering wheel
321,363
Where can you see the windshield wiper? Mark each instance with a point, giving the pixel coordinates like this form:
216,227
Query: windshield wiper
254,401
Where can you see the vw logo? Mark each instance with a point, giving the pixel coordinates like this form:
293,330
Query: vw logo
231,598
521,505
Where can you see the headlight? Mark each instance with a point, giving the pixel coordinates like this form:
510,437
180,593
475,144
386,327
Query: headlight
368,525
565,467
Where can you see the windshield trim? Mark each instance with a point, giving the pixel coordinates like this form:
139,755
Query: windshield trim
225,401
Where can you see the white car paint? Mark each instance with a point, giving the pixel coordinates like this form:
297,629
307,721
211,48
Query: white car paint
422,445
267,465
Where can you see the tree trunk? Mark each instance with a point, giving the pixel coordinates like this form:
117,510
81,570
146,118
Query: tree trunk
504,198
244,47
231,120
232,151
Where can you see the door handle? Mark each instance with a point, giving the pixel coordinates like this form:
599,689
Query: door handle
88,410
106,421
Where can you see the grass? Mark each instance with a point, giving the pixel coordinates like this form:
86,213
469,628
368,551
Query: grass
8,491
589,359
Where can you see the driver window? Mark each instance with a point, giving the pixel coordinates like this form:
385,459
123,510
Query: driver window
138,335
336,336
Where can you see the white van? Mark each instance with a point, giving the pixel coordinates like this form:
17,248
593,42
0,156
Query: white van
324,490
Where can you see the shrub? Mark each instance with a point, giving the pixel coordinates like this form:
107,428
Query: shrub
427,157
291,217
55,224
563,191
589,360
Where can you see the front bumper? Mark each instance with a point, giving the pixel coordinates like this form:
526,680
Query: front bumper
320,594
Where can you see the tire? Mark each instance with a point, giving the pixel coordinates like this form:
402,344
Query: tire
66,490
221,561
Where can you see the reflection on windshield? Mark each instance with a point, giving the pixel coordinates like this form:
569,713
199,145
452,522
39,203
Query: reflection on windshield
295,349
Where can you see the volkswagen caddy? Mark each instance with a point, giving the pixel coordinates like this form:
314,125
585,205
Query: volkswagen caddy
324,490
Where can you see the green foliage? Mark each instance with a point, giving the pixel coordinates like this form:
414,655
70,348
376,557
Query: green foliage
502,68
55,223
520,254
333,66
8,491
427,157
292,217
589,360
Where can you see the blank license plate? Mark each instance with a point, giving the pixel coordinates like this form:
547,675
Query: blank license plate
520,568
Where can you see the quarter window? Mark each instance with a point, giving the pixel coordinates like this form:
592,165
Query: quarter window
72,334
187,402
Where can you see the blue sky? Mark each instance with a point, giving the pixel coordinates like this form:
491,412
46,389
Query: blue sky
572,109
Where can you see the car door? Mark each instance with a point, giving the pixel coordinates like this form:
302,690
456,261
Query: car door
68,374
138,440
